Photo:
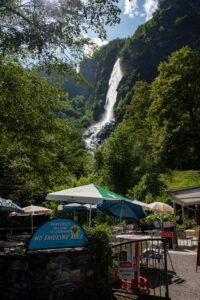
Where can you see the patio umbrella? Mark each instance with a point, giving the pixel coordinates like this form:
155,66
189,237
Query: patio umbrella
122,209
91,207
33,210
8,206
90,194
73,207
143,204
160,207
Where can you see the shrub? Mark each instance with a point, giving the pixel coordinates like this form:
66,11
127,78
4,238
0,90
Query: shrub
98,246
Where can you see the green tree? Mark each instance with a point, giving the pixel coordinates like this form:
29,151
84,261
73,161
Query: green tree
149,187
174,114
97,109
116,163
125,157
38,151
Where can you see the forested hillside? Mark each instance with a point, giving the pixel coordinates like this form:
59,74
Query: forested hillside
157,113
159,104
160,131
175,24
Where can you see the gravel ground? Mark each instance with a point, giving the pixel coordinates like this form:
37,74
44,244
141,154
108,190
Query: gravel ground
185,285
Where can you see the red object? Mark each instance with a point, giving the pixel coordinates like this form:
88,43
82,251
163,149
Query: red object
170,234
198,215
198,254
138,283
167,234
125,264
131,286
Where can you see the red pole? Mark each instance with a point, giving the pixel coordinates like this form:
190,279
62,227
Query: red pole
198,251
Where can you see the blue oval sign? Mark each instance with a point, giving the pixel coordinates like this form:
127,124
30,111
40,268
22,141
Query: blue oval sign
58,233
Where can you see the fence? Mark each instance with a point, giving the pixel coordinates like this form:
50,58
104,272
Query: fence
140,269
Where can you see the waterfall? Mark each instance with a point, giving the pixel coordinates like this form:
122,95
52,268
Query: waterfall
92,132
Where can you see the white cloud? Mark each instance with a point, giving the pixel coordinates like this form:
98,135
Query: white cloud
150,6
131,8
99,42
90,48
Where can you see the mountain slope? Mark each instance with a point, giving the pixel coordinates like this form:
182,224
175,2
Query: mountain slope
176,23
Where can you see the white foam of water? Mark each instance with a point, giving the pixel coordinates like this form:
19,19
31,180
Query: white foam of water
108,115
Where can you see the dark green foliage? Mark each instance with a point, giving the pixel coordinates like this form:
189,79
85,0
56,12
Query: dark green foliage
174,113
38,151
98,109
149,187
74,87
98,247
117,161
160,130
41,146
174,24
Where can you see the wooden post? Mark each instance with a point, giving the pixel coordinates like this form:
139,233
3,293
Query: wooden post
183,217
174,206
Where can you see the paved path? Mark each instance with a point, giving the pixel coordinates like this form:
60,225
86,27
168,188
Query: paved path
186,284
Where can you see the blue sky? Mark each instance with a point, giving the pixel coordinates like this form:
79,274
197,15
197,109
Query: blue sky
134,13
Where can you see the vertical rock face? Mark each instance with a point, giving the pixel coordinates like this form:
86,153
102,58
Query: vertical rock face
63,275
94,133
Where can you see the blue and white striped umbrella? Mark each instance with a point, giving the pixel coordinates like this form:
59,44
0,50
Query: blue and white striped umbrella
8,206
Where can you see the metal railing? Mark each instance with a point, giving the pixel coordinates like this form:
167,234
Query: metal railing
140,268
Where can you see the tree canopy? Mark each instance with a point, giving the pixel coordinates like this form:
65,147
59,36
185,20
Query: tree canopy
160,131
53,31
38,151
174,113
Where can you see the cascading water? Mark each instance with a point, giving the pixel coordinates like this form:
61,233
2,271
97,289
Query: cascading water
91,134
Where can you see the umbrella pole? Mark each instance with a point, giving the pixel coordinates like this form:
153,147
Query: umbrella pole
162,222
174,206
183,217
32,223
121,211
90,212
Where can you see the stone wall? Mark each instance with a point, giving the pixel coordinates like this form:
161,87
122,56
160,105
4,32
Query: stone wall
48,275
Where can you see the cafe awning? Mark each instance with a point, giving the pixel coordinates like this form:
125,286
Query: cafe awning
186,196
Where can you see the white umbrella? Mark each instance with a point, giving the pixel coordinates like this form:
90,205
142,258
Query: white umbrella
160,207
32,210
36,210
143,204
90,194
73,207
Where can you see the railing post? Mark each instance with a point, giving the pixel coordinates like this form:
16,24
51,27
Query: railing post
166,272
